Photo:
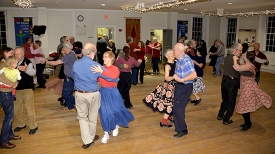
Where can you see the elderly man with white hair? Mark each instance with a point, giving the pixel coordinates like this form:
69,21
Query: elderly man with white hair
24,93
68,61
87,96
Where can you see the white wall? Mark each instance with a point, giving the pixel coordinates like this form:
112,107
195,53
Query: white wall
61,22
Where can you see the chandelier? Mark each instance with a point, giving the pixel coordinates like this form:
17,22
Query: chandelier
241,14
23,3
142,8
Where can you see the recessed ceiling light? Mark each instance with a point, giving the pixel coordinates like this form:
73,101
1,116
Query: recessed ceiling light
230,3
185,9
57,2
103,4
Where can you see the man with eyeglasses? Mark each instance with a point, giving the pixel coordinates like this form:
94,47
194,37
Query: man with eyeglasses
230,84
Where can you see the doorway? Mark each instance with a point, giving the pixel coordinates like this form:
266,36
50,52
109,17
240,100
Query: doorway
105,30
164,37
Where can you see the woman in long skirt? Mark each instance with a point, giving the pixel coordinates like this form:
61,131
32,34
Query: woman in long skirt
251,96
112,110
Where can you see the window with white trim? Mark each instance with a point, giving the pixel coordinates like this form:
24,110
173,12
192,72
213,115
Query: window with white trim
270,34
197,29
231,31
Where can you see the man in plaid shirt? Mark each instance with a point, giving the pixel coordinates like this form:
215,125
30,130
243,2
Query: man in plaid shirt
184,75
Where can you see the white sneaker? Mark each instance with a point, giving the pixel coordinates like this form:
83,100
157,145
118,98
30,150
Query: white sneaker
115,131
105,137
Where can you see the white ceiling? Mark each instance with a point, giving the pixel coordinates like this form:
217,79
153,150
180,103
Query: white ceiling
210,6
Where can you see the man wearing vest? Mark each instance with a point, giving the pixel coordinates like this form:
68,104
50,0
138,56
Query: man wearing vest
24,93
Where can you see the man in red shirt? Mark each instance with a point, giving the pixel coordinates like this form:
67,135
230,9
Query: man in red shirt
259,60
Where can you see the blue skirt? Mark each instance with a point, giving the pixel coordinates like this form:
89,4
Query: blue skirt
112,110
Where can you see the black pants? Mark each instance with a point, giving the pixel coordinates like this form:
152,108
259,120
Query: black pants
229,89
124,86
155,62
257,76
141,71
39,74
181,98
99,58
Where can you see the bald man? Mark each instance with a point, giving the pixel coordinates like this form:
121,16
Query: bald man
72,41
184,75
259,60
87,96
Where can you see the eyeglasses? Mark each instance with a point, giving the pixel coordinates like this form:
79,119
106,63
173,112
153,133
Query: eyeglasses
239,50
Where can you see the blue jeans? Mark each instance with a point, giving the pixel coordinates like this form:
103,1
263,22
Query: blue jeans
7,102
135,75
67,92
39,74
218,65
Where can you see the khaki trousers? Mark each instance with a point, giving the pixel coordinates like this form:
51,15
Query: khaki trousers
87,105
148,62
27,97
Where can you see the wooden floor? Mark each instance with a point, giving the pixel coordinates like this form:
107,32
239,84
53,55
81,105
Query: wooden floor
59,129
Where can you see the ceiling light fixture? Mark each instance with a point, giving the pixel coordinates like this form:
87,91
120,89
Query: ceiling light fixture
103,4
23,3
230,3
241,14
142,8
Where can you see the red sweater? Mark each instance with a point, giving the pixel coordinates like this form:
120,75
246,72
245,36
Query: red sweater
156,53
141,53
112,72
27,49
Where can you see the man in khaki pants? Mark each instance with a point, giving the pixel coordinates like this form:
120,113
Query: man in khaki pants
87,96
24,93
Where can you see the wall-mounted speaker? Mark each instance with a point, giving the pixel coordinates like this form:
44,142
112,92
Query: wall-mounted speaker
38,30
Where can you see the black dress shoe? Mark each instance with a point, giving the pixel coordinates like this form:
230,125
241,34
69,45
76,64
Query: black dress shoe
128,107
85,146
17,129
228,122
33,131
246,127
180,134
170,118
198,101
7,145
242,125
219,117
192,101
165,125
15,137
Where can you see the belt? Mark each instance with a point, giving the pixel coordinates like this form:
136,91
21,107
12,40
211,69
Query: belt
230,77
80,91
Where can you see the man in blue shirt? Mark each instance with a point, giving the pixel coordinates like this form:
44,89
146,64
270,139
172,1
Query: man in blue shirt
184,75
87,96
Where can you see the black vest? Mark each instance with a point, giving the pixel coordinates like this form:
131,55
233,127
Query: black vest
26,81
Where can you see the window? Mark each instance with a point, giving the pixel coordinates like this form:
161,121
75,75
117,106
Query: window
197,29
231,31
3,38
270,34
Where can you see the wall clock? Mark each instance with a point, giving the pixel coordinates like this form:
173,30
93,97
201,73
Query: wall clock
80,18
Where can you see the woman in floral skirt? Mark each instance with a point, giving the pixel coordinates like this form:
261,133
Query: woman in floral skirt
162,97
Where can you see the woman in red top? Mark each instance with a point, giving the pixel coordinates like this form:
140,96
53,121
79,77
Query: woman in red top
140,54
148,57
112,110
156,47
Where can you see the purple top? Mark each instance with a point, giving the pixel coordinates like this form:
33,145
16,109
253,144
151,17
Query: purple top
130,62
